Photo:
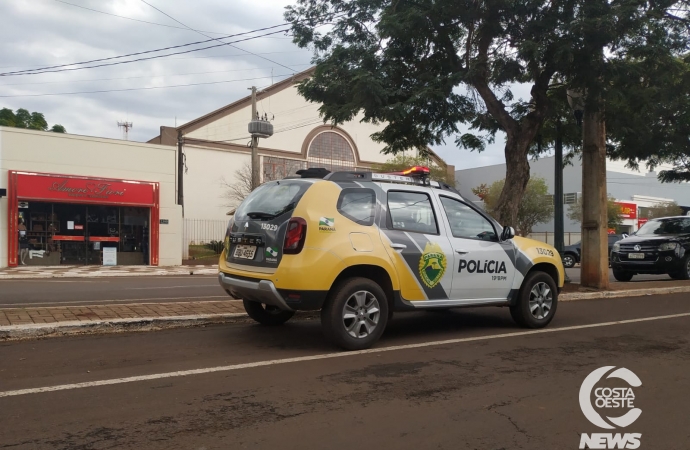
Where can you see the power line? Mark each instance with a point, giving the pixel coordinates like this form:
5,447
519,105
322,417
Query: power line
201,33
138,89
46,69
130,18
135,60
146,76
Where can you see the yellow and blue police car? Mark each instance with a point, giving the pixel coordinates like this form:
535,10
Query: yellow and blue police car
359,246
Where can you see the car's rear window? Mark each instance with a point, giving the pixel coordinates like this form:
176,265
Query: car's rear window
274,198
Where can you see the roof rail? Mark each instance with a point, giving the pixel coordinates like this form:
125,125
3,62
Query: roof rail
389,178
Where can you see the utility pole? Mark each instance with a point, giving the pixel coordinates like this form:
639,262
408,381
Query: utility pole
259,127
558,226
595,268
256,179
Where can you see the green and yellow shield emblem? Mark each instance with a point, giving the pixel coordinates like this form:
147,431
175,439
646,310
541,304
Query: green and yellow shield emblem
432,264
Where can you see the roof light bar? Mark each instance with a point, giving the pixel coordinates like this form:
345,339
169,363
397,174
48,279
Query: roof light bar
417,170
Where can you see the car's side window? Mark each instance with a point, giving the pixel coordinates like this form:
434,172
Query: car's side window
358,205
411,211
467,223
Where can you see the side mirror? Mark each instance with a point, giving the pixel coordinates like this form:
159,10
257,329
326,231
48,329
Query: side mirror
508,233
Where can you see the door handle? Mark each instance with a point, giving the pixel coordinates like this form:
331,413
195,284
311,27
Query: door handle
399,246
462,252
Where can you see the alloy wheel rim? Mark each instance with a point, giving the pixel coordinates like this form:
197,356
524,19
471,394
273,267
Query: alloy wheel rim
568,260
540,300
361,314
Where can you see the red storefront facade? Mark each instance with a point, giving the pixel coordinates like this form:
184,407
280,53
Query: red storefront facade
68,193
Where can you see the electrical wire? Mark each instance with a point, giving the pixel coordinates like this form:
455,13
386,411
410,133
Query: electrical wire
129,18
146,76
133,60
136,89
215,39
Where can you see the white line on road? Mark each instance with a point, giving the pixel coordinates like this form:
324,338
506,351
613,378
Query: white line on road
20,305
184,373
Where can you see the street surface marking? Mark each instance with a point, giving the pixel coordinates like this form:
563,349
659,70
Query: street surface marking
184,373
145,300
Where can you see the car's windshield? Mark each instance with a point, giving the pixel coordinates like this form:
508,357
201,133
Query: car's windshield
660,227
271,199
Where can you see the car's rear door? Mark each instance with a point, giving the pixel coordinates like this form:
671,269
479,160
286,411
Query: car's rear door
416,243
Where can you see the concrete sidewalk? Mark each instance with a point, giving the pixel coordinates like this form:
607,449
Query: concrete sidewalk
36,272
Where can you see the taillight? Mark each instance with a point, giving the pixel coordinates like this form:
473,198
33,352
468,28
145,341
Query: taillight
295,235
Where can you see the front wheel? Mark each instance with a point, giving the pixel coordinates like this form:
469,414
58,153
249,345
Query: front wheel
622,275
267,314
684,272
537,301
355,314
568,261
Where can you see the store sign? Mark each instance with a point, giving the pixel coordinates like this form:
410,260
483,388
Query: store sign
628,210
83,190
110,256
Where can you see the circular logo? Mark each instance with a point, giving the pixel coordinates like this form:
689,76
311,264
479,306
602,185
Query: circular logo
637,248
605,397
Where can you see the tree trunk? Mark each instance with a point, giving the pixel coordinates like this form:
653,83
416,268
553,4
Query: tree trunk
517,177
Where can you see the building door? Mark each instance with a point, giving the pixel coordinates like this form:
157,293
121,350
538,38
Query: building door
72,234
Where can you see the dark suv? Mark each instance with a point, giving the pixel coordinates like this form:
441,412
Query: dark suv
660,246
572,253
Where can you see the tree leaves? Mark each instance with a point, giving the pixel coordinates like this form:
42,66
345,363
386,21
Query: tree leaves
22,118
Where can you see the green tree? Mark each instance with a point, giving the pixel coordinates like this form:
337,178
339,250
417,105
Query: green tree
7,118
613,210
667,209
23,118
536,206
401,162
423,67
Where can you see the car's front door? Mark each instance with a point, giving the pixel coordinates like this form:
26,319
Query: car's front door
484,267
416,242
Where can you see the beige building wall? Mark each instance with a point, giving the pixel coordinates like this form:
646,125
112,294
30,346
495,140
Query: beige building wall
66,154
294,119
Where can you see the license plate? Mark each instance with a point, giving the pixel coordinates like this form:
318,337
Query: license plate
635,255
245,251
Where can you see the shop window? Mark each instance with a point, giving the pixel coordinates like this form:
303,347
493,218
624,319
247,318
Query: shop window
331,151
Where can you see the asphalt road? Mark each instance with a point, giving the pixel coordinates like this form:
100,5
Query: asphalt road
466,379
574,275
112,290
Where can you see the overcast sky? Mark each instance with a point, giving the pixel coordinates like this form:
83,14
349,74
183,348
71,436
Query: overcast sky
40,33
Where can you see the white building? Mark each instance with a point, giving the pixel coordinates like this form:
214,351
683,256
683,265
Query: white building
69,199
215,146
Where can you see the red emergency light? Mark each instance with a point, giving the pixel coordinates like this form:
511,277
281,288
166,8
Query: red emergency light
417,171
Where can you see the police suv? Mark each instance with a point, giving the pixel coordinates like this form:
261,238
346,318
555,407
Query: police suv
359,246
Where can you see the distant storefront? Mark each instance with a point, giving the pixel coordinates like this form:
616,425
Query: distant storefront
75,200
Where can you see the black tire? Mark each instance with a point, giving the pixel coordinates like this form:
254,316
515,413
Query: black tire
684,272
622,275
546,288
335,325
267,314
569,261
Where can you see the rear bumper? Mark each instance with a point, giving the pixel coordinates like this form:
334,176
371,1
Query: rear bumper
264,291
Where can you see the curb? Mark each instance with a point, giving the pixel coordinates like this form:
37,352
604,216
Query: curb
41,330
107,275
574,296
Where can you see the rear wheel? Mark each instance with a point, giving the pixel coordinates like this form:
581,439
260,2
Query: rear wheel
355,315
537,301
267,314
622,275
568,261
